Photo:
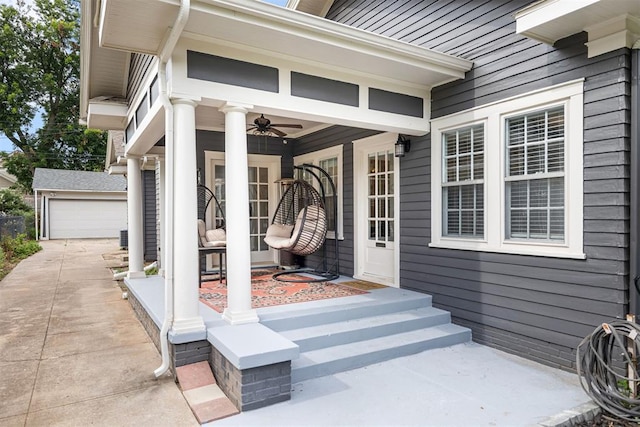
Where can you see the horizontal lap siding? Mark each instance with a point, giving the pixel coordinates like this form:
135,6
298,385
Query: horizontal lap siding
138,70
536,307
330,137
150,218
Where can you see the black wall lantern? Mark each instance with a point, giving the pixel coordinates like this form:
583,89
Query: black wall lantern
403,145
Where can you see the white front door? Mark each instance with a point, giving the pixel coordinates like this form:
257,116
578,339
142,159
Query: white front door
376,207
263,172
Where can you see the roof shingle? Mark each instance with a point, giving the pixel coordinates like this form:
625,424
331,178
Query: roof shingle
58,179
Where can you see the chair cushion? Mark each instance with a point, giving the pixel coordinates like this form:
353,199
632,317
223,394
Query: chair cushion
279,230
278,236
216,235
215,244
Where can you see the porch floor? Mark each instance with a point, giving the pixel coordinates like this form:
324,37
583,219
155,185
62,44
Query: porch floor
459,385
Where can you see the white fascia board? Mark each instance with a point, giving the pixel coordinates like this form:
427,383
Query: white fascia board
531,20
117,170
107,115
85,56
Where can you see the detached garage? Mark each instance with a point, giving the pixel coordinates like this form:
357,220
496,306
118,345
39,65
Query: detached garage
79,204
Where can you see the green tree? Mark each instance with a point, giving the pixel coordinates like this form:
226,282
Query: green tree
40,75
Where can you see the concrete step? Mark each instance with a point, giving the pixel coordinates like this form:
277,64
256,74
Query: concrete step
379,302
332,334
330,360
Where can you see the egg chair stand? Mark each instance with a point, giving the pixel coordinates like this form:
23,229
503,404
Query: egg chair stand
300,223
211,241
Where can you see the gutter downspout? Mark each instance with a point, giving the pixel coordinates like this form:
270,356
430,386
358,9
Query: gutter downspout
35,209
165,55
634,242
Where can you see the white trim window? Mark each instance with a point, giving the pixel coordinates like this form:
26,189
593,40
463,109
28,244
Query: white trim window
329,159
463,182
508,176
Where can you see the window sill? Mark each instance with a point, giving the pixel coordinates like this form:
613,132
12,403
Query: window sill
512,249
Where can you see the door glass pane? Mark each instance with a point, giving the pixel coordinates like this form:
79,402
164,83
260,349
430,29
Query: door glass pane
381,188
264,174
382,162
258,202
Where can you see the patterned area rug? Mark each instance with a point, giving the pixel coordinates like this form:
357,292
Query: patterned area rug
266,292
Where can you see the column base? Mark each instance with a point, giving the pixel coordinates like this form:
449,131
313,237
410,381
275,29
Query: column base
240,317
188,330
136,275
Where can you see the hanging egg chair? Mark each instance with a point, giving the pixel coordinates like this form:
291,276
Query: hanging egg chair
300,224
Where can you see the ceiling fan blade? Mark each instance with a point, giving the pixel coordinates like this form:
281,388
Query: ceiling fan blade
297,126
277,132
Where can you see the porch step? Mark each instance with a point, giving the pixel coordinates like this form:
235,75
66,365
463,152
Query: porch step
330,360
347,333
332,334
379,302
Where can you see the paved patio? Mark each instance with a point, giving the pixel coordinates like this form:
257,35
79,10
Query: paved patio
72,353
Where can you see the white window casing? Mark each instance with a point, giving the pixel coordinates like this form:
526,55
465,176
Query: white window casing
493,118
316,158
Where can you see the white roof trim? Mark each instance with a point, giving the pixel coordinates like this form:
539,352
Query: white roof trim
611,24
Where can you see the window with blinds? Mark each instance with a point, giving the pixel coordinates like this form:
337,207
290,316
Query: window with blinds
463,182
535,175
507,177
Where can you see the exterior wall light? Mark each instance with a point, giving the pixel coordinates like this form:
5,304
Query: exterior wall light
403,145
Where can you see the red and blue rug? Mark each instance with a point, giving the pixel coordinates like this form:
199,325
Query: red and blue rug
266,292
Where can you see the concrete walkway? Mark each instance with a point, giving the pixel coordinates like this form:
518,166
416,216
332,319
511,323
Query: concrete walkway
72,351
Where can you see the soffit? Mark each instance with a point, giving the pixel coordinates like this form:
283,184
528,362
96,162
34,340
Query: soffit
312,7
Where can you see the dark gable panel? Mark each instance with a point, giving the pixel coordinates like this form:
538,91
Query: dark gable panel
321,89
218,69
398,103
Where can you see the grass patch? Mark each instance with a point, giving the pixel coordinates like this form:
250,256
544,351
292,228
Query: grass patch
12,251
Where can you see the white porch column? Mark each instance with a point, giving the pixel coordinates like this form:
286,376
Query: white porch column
236,180
134,218
160,179
187,319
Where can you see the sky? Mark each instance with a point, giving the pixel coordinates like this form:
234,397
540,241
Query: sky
6,145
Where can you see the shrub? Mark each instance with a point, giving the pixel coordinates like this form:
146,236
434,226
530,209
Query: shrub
19,248
12,203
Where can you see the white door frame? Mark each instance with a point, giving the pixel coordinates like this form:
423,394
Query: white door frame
272,162
360,147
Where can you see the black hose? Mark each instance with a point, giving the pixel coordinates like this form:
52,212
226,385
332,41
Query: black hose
600,359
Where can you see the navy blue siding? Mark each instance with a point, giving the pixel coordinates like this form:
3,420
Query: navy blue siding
536,307
149,214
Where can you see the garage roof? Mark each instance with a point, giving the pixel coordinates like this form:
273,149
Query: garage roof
71,180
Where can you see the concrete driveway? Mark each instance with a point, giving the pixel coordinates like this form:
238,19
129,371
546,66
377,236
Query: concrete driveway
72,351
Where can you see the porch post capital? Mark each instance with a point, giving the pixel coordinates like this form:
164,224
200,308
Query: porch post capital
237,107
184,101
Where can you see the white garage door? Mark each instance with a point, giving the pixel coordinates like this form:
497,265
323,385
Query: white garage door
70,219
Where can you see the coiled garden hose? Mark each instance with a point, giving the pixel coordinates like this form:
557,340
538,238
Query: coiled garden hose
600,362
